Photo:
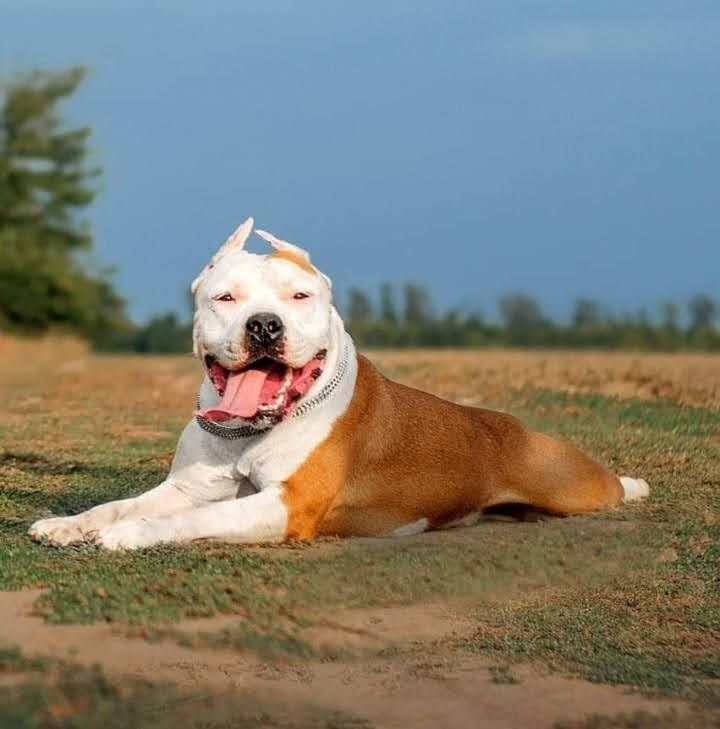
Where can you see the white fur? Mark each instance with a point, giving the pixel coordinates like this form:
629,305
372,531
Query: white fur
224,488
468,520
261,517
260,284
237,240
409,530
62,530
635,489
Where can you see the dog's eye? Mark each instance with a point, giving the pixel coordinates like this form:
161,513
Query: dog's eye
301,295
224,297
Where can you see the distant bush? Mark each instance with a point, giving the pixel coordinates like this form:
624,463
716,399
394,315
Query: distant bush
163,334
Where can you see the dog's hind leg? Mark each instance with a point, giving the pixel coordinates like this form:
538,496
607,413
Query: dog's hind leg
558,478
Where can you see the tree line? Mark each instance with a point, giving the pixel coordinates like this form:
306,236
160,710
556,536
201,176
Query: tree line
49,279
403,316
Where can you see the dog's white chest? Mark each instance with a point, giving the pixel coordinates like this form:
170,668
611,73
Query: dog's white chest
273,458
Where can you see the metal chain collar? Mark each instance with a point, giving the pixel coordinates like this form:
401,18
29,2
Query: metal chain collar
247,431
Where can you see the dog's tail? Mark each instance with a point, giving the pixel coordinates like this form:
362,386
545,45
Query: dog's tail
634,489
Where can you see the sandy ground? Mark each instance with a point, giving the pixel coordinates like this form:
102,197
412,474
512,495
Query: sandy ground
444,691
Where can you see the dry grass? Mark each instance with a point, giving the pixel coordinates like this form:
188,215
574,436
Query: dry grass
470,376
474,375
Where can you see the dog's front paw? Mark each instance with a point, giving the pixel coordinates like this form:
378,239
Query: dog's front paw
128,534
58,530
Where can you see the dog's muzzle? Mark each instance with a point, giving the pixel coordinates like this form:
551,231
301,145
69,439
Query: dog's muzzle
264,330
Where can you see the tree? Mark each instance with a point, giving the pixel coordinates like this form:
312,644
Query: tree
670,315
703,311
44,178
45,181
587,313
418,308
520,312
388,309
164,333
360,308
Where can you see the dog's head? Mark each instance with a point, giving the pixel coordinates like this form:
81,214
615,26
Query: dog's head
261,327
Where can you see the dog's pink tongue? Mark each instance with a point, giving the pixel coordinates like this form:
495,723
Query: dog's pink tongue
241,398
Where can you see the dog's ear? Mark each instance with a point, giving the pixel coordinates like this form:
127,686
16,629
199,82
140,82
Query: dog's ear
286,247
283,245
236,241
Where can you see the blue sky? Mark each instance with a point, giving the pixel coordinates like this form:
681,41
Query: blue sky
559,148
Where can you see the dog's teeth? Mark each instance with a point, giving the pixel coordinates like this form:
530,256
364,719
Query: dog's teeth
285,384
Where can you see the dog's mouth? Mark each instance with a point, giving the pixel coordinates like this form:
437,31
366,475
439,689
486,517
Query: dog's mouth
266,389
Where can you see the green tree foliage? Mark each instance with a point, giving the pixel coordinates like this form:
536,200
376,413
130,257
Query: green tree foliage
360,308
703,311
670,316
523,319
164,333
520,312
524,324
418,307
587,313
45,182
388,306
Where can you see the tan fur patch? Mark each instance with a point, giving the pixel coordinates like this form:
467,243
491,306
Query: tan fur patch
297,258
399,454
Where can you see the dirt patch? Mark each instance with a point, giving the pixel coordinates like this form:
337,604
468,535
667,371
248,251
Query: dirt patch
374,630
109,647
454,693
420,686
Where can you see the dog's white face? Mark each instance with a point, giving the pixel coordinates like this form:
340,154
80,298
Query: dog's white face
261,327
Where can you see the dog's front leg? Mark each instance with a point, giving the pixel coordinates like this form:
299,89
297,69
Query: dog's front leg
261,517
196,478
63,530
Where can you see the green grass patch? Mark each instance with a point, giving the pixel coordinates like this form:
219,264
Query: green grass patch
656,624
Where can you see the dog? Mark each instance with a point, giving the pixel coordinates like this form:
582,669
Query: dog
296,435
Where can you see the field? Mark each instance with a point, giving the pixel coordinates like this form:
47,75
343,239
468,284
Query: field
609,620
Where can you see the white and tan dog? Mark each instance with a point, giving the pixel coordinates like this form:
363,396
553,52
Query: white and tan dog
297,436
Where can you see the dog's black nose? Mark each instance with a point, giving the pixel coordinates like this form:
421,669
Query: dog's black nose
264,328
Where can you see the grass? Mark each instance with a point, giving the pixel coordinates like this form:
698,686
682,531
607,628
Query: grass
629,596
655,626
642,720
61,695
